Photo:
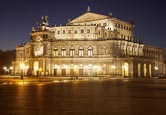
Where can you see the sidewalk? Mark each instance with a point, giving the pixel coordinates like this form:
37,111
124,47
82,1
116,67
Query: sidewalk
48,79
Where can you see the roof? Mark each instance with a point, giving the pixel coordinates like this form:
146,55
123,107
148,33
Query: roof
88,16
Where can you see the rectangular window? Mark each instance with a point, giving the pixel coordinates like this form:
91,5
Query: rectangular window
116,25
71,52
90,52
122,36
129,28
63,52
21,55
81,52
105,34
88,30
69,31
55,52
82,31
99,32
63,31
104,24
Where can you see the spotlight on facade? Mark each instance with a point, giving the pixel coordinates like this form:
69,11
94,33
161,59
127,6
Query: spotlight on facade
113,67
11,68
55,66
22,66
90,65
156,68
40,69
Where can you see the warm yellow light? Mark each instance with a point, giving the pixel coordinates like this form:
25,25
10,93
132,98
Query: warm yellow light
4,68
99,68
75,66
65,66
113,67
22,65
156,68
85,66
95,66
56,81
22,82
90,65
11,68
40,69
125,67
55,66
27,67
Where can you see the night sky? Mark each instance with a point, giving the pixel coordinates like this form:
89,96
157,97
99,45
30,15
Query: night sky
18,16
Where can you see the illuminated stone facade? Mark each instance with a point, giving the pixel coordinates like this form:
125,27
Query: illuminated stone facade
89,45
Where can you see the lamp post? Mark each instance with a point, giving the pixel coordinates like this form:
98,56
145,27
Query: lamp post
156,70
40,74
5,70
113,67
11,68
22,66
125,68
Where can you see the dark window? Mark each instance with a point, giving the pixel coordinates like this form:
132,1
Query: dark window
82,31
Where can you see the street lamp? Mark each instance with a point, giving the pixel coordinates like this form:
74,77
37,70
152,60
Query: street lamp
11,68
5,70
22,66
40,74
40,71
113,67
125,68
156,70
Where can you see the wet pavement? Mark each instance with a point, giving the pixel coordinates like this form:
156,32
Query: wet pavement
91,97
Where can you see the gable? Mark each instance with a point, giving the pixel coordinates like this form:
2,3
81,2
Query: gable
88,16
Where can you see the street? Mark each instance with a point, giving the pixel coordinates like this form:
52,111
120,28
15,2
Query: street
90,97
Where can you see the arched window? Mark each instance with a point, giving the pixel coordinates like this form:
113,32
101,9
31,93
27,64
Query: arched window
72,51
90,51
63,51
55,51
81,51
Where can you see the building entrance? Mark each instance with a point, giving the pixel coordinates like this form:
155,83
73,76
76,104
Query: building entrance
63,72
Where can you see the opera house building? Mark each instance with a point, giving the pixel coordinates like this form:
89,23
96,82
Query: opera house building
90,45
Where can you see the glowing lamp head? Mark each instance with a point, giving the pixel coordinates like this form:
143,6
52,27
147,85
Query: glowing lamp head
22,66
